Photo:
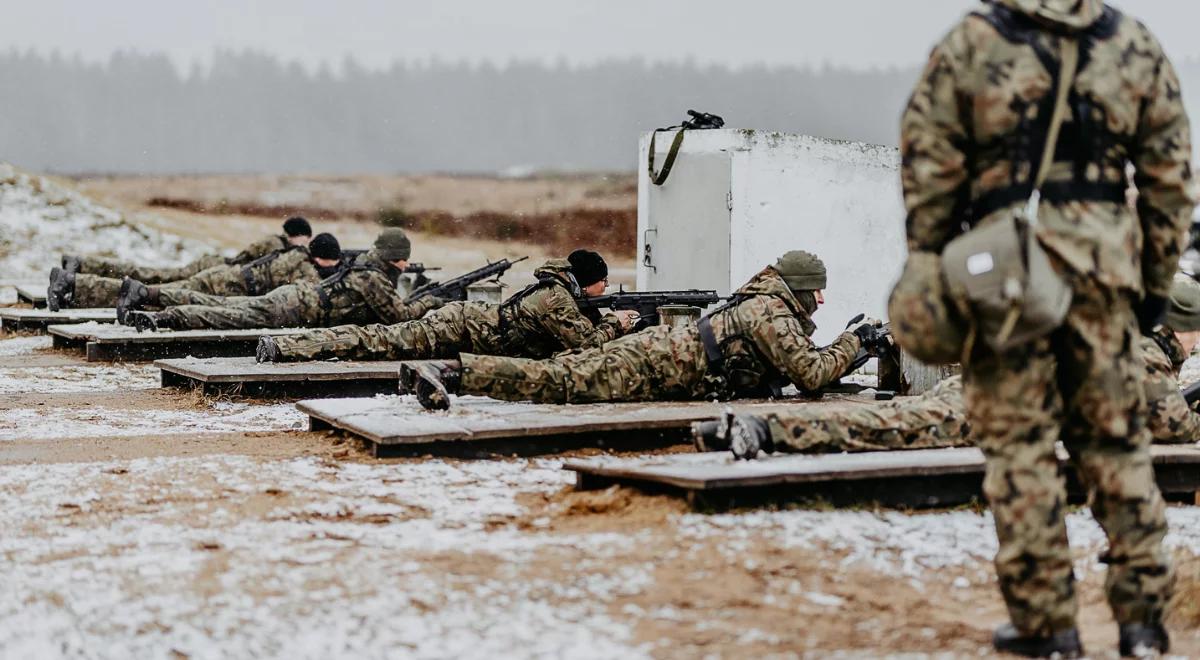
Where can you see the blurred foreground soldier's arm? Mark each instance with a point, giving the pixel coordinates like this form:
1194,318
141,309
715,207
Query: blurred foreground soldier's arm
972,138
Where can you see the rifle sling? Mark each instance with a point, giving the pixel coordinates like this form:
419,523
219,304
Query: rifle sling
712,348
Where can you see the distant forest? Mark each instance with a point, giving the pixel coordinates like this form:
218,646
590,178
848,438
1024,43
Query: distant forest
255,113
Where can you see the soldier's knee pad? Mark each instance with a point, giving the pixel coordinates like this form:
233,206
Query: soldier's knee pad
924,320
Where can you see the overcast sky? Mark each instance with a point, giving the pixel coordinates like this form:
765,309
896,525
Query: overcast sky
857,33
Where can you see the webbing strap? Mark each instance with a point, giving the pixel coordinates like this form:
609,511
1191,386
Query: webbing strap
659,178
1066,80
712,349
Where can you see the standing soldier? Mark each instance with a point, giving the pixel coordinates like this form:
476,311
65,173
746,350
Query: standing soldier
296,232
538,321
750,347
971,138
361,292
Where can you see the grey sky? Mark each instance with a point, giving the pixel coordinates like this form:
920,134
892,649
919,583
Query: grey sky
858,33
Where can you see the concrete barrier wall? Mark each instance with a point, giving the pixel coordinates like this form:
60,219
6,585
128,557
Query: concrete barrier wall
737,199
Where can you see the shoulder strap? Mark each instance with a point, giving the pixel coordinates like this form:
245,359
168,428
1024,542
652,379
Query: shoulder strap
1066,80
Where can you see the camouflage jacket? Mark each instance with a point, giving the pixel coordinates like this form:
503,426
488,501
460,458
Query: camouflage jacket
544,318
276,269
974,130
366,293
259,249
1170,418
762,339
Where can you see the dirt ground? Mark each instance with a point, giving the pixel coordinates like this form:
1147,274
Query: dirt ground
141,522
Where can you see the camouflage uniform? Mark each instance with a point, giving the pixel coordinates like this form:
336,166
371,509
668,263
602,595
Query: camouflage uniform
541,320
764,335
117,269
937,418
272,270
364,293
969,138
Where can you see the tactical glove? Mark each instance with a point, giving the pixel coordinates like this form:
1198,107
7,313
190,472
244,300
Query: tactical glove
748,434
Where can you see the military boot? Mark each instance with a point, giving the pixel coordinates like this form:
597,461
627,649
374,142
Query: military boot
1141,640
71,264
61,292
267,349
712,435
152,321
133,296
432,381
1064,644
747,435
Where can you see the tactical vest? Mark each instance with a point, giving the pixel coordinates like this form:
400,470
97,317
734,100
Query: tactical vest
336,285
1084,141
508,311
736,368
258,283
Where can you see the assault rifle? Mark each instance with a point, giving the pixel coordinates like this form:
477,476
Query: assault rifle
1191,393
456,288
646,303
413,268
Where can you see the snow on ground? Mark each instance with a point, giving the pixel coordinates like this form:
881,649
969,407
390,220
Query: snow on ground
225,557
40,220
48,423
1190,372
24,345
71,379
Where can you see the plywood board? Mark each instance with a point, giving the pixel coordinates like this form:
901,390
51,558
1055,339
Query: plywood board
400,421
242,375
115,342
32,294
931,477
20,319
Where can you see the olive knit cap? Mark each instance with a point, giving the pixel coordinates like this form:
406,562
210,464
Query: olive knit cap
393,245
802,271
1183,315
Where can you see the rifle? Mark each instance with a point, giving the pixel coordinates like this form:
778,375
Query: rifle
873,345
1191,393
646,303
413,268
456,288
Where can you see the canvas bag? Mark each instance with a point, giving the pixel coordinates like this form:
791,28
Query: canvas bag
1001,269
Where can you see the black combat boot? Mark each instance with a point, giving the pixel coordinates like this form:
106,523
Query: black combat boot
713,435
133,296
1064,644
433,382
152,321
71,263
747,435
1139,640
267,349
61,292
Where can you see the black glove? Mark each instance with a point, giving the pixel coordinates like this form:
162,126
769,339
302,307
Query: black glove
1151,313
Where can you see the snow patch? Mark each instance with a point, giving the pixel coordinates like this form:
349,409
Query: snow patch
43,423
78,379
24,345
40,220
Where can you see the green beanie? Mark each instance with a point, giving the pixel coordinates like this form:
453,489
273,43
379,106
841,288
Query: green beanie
802,271
1184,312
393,245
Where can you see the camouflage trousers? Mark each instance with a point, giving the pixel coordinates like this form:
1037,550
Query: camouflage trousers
933,419
118,269
443,333
652,365
289,306
1081,385
96,291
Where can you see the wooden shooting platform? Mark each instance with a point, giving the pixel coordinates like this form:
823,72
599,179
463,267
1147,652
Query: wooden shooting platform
100,342
918,478
244,376
18,319
477,427
32,294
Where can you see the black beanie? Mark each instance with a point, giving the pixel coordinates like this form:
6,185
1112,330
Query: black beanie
297,227
324,246
588,267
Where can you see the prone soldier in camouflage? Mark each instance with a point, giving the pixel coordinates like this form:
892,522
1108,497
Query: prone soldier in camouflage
540,320
937,418
284,266
972,129
296,232
749,347
360,293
